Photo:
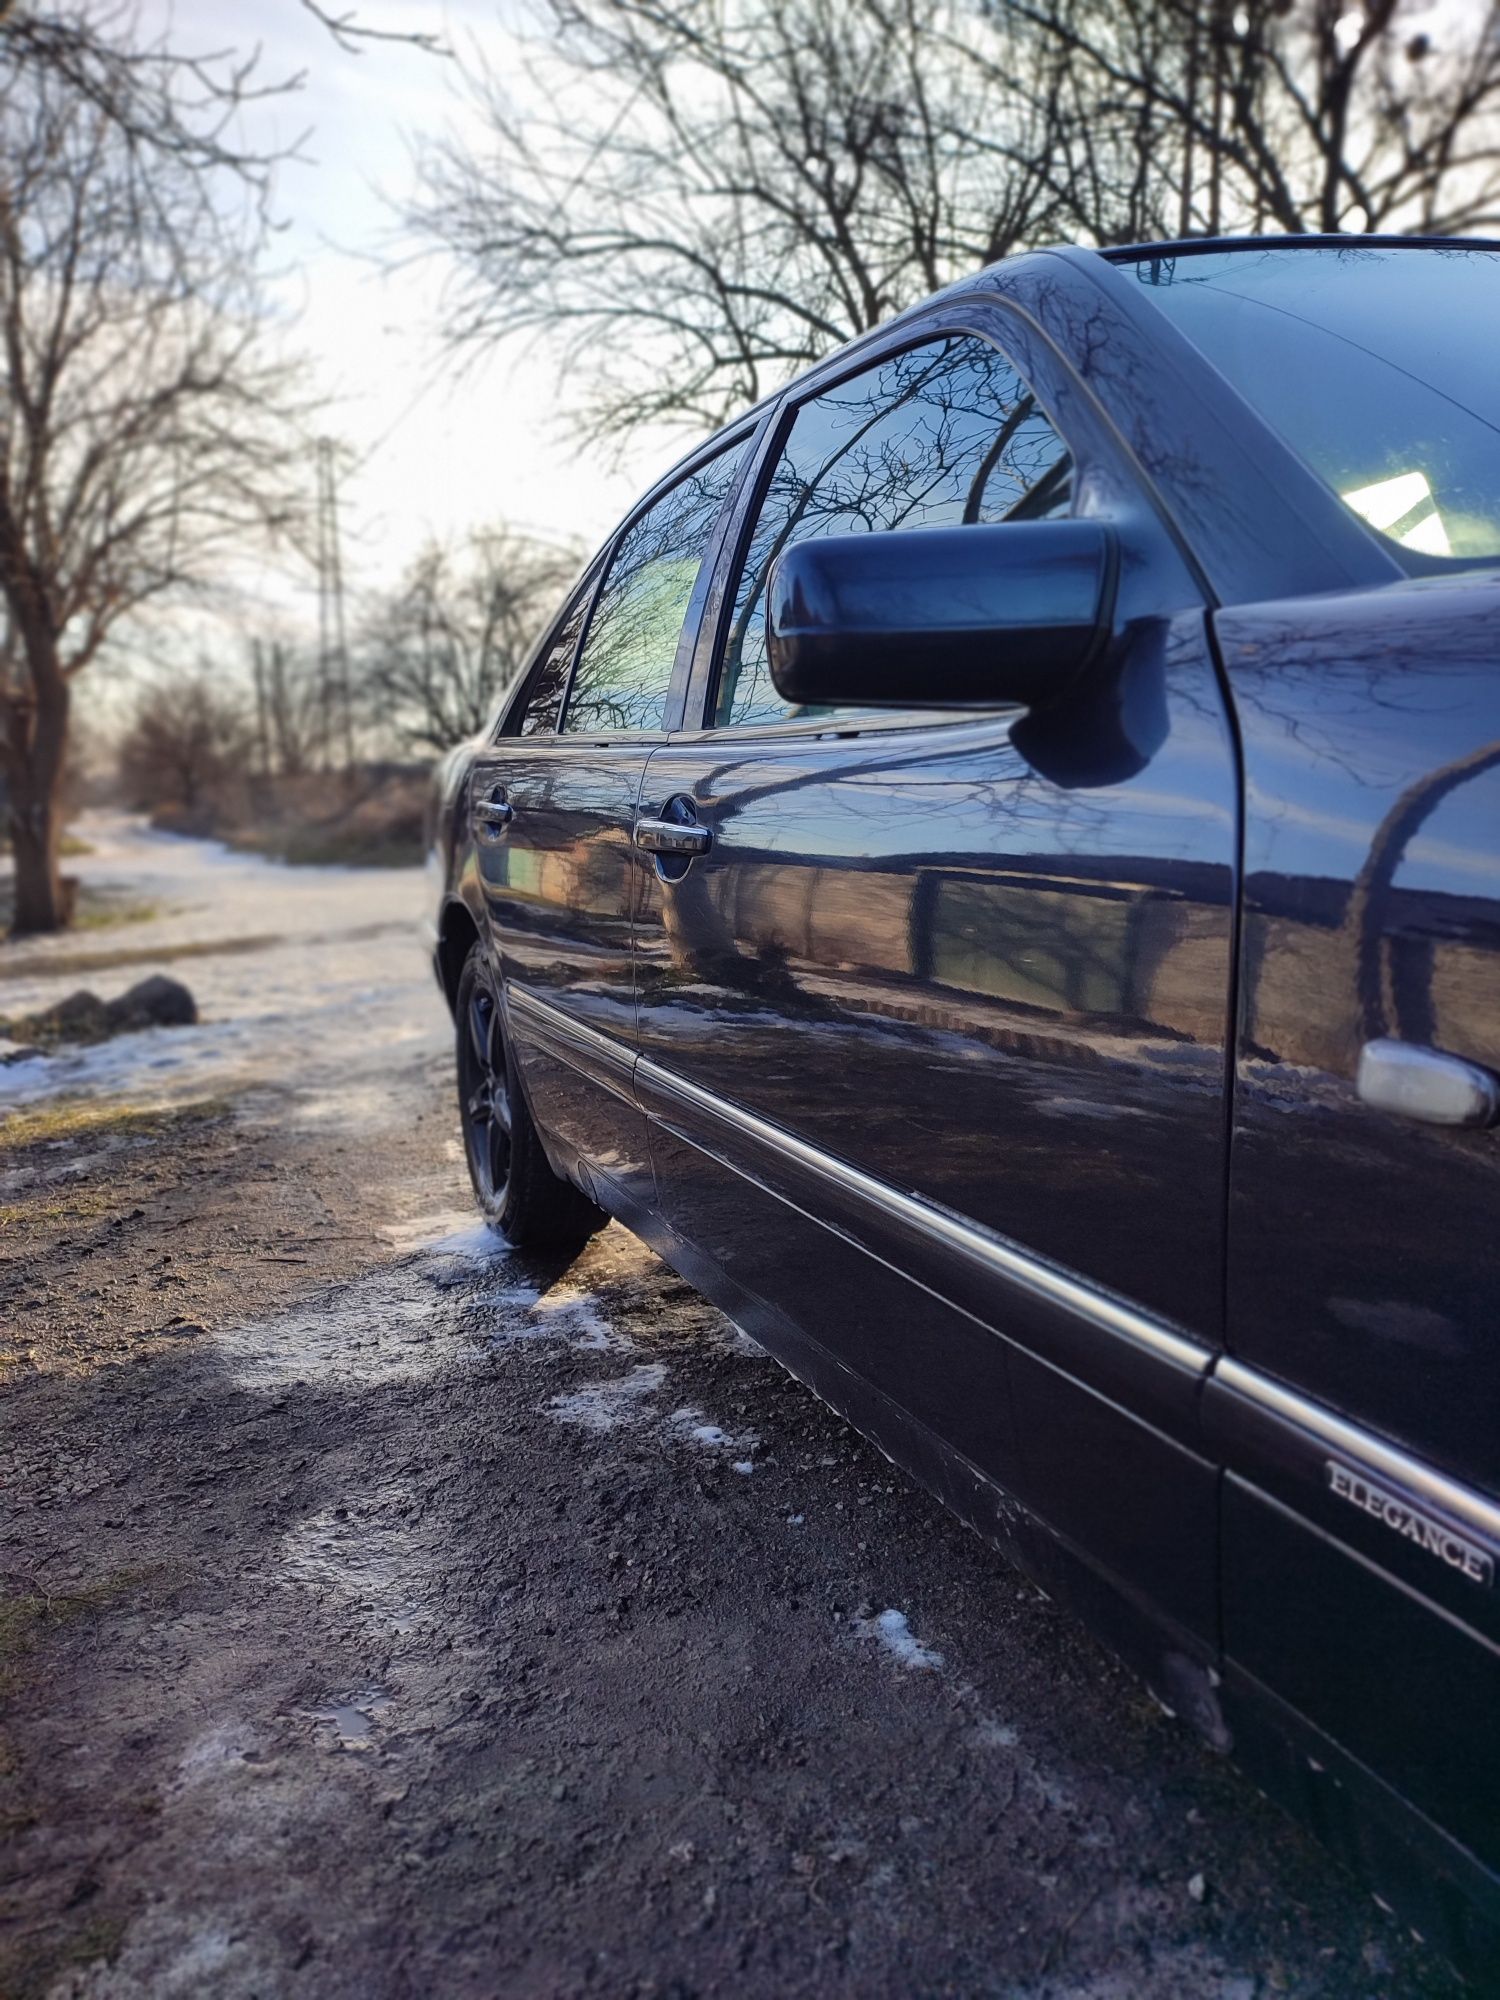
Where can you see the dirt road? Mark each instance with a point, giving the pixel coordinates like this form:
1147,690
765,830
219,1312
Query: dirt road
387,1616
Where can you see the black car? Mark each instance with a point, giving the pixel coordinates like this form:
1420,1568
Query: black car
993,874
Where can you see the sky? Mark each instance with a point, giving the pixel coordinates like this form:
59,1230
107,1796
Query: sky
441,444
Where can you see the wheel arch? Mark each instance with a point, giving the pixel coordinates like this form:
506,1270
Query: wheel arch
458,933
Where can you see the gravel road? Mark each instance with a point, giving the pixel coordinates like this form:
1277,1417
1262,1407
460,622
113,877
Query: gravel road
386,1615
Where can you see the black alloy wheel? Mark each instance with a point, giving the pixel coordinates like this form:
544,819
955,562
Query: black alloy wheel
516,1188
484,1089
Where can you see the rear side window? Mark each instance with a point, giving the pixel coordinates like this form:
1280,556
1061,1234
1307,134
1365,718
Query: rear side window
625,668
549,677
937,436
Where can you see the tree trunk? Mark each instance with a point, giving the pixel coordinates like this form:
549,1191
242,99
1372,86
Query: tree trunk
34,776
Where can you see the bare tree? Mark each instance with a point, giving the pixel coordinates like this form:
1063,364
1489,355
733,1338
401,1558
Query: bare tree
701,198
289,708
187,743
1185,117
145,431
696,199
163,97
433,659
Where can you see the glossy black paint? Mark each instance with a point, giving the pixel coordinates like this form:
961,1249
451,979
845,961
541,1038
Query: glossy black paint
1371,733
556,885
1009,613
997,1070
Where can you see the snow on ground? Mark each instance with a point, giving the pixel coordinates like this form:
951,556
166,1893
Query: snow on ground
605,1406
305,978
891,1630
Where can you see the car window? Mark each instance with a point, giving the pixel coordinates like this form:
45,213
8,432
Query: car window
539,710
939,435
625,668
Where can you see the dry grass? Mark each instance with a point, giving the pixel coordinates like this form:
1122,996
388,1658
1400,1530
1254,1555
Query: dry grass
81,1204
86,1118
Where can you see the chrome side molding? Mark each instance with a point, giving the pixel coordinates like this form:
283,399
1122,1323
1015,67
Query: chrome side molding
1426,1084
1370,1454
999,1257
1363,1455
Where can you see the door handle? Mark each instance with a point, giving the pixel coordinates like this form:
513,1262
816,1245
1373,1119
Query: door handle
492,815
673,836
1425,1084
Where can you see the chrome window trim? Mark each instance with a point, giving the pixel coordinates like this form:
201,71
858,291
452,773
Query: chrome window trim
1447,1495
867,722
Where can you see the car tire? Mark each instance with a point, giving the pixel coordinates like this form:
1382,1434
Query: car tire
515,1187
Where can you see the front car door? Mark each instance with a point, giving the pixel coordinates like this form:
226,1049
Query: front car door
1358,1411
957,987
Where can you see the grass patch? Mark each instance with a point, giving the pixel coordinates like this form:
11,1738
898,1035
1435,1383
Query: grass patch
80,1206
84,1118
94,910
71,963
71,847
97,914
29,1619
30,1972
30,1968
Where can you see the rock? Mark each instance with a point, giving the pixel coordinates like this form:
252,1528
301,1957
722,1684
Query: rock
82,1017
157,1002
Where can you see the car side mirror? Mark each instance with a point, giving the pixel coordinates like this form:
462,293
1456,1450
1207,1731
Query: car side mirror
940,617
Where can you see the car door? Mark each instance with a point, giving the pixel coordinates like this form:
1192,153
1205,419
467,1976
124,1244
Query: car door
1359,1411
933,1031
553,804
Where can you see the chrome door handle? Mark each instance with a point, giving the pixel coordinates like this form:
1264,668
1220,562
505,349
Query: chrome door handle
492,815
1425,1084
669,836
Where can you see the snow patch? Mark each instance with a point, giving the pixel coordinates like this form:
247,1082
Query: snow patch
891,1631
693,1425
451,1232
575,1313
993,1735
606,1406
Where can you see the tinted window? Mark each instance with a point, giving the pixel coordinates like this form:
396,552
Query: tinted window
942,434
1376,365
550,676
625,668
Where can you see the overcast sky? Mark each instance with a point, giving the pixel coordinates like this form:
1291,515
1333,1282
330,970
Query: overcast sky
443,447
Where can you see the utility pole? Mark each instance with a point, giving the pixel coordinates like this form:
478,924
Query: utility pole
333,650
262,709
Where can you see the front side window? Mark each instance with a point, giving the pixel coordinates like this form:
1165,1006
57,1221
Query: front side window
625,668
543,700
940,435
1376,365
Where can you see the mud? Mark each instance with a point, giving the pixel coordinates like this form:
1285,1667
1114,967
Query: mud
387,1615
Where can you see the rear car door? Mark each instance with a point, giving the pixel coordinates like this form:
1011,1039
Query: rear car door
553,804
933,1033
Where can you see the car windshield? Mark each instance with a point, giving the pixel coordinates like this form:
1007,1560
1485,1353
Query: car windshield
1380,367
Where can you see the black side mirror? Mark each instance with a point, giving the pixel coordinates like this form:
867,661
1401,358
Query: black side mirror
940,617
